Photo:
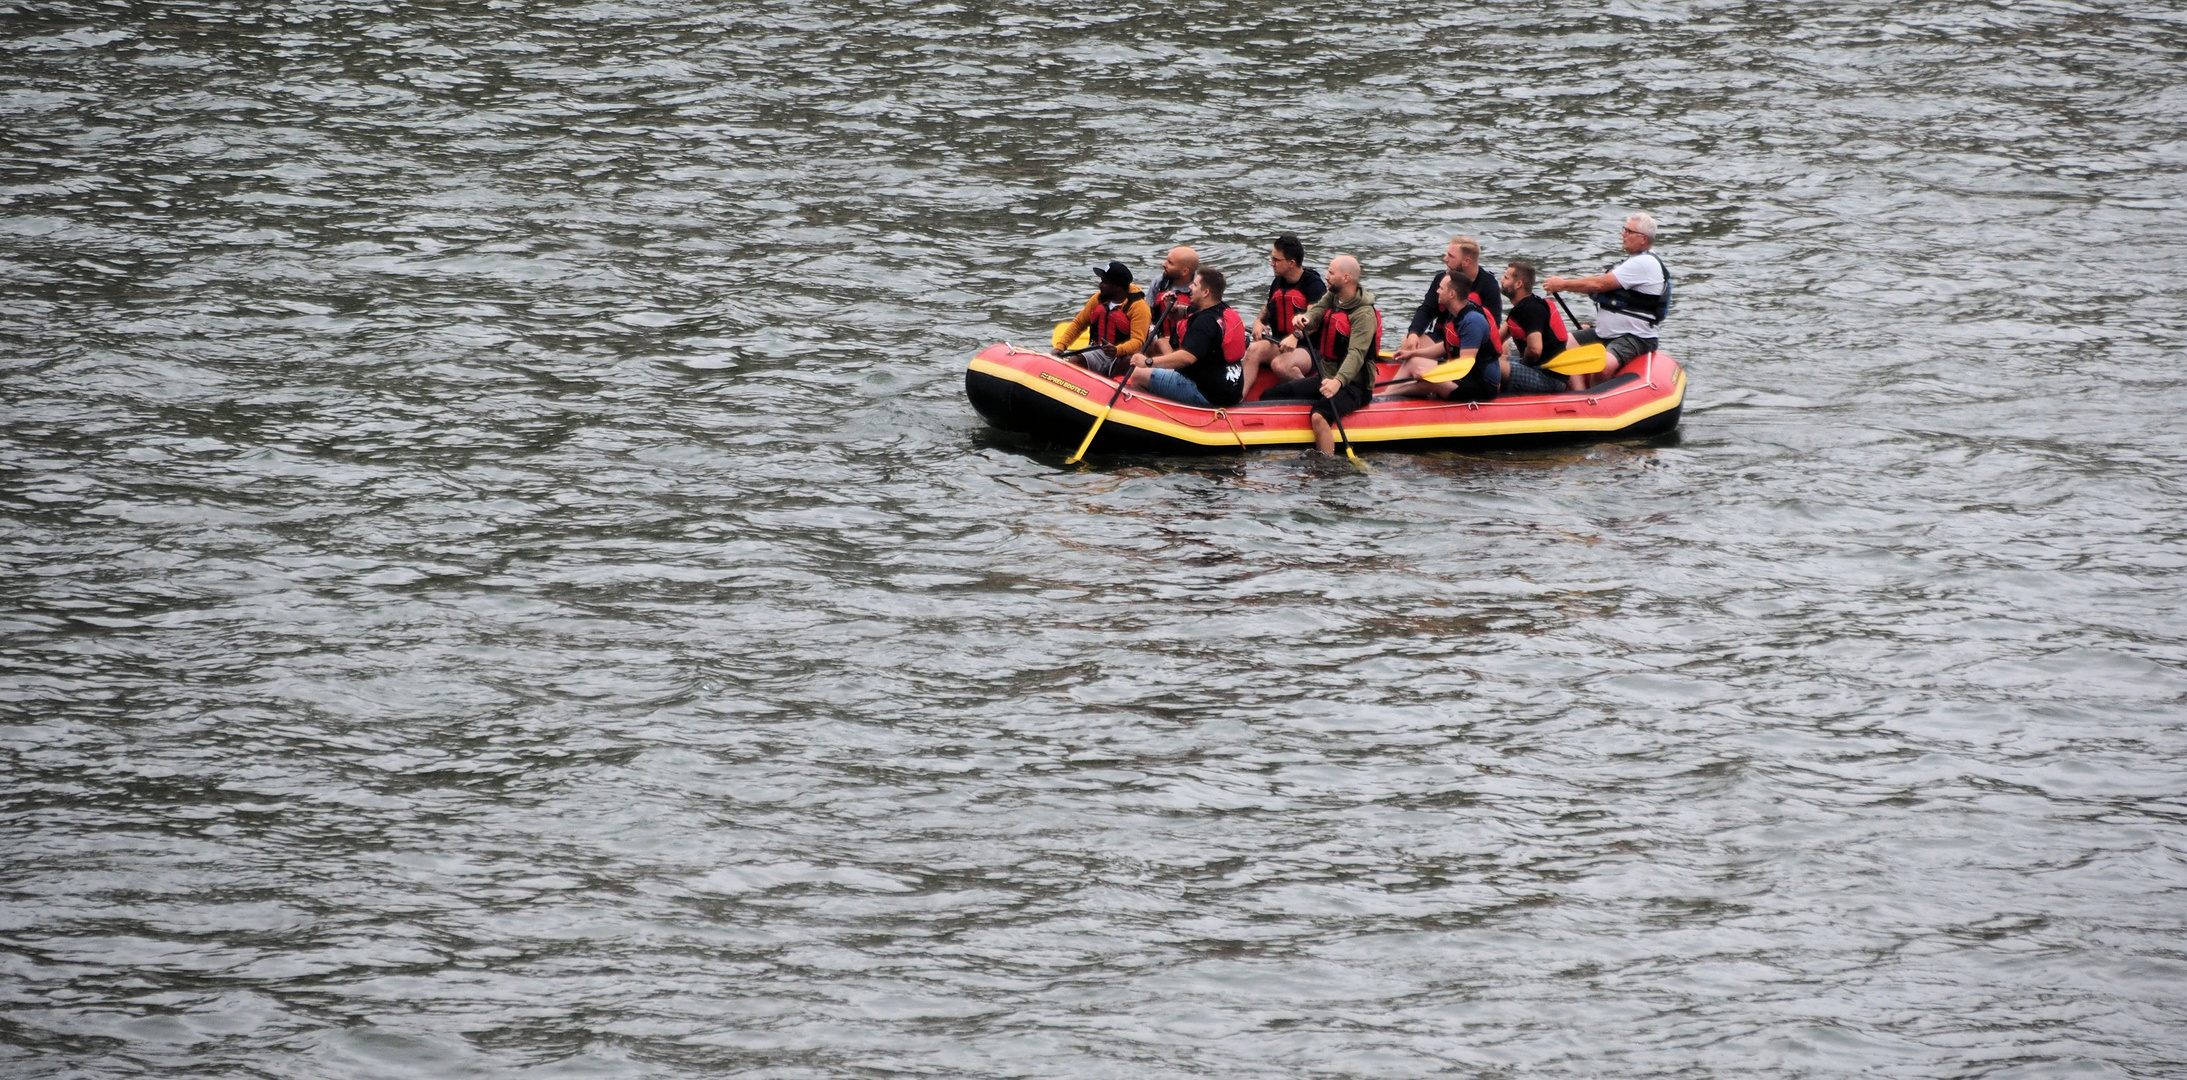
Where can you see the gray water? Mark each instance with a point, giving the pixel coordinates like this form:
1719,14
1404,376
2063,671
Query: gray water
501,578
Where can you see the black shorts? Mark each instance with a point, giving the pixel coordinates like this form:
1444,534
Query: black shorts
1350,397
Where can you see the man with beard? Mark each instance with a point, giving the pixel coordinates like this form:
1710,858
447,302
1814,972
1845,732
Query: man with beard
1172,298
1203,369
1461,257
1346,333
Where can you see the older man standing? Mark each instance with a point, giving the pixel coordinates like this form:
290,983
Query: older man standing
1632,297
1462,259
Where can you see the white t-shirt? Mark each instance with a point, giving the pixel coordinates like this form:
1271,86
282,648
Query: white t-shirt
1642,273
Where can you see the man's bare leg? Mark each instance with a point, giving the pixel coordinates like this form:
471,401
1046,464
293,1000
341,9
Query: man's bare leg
1294,364
1257,355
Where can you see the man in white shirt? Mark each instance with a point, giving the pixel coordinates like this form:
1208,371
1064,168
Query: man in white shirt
1632,297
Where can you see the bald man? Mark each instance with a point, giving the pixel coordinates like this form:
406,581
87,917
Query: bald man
1343,332
1172,299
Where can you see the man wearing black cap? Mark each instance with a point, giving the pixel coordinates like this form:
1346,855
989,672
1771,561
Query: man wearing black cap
1116,315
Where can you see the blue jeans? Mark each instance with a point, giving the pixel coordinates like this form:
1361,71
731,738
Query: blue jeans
1176,387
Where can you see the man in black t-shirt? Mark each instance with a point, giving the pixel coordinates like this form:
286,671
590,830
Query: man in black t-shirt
1534,331
1462,258
1204,368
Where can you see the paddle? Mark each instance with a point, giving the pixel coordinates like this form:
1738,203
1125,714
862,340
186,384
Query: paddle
1447,371
1580,360
1571,321
1078,344
1075,458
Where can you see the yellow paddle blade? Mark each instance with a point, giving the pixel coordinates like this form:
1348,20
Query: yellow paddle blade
1085,338
1580,360
1448,371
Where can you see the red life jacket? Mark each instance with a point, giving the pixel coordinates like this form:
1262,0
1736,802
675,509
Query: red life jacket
1113,326
1233,336
1172,313
1553,342
1452,340
1495,333
1285,302
1336,338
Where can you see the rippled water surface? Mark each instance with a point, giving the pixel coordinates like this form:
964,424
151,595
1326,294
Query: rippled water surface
501,578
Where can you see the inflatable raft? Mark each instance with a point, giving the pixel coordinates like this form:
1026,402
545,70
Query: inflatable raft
1055,401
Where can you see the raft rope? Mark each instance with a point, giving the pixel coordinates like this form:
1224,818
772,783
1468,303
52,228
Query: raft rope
1220,414
1225,414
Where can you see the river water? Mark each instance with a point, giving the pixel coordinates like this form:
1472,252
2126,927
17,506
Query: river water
501,578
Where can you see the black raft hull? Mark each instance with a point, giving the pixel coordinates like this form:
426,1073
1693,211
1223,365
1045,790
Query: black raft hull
1053,401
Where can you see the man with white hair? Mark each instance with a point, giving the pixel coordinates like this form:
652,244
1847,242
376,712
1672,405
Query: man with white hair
1632,297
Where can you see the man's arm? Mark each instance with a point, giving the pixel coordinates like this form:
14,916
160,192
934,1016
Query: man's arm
1423,316
1362,350
1595,284
1313,316
1085,319
1141,318
1182,356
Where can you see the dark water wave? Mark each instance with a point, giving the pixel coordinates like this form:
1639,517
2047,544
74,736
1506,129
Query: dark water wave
500,576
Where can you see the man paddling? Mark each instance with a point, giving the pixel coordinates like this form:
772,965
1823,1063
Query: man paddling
1346,332
1116,316
1632,297
1171,299
1462,257
1204,368
1292,287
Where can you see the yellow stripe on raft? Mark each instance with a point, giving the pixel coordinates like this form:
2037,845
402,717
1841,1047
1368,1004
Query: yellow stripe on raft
1221,434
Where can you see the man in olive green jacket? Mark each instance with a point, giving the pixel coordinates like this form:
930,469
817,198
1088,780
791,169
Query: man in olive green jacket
1343,331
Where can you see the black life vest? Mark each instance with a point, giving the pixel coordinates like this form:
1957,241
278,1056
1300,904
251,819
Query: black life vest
1336,340
1639,305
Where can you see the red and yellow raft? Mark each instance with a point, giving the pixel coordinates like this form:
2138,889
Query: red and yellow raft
1054,401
